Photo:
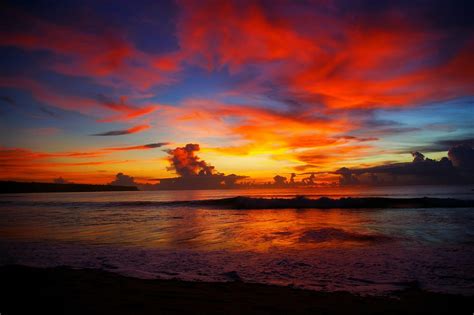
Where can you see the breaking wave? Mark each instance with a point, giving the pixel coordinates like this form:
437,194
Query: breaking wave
271,203
334,234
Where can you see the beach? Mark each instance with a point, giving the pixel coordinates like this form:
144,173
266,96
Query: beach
63,290
213,252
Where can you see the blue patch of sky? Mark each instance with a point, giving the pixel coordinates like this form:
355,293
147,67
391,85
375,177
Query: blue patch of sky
19,63
458,112
439,121
195,82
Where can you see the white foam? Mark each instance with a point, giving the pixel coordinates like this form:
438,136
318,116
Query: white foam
366,270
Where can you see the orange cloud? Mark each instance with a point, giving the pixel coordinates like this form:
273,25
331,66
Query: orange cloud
92,166
293,136
254,123
21,164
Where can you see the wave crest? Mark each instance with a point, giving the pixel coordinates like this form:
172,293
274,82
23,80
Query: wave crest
271,203
334,234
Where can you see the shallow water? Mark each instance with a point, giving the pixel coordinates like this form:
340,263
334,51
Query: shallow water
361,250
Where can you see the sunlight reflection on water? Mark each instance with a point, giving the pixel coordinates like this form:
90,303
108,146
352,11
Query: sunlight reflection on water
271,246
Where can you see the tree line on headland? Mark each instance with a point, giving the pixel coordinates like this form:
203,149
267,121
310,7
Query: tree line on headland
8,187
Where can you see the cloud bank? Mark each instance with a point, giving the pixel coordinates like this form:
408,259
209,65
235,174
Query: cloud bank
458,169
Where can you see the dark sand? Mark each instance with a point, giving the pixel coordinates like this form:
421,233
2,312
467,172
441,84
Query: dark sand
66,291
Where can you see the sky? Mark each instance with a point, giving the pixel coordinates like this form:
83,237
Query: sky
89,89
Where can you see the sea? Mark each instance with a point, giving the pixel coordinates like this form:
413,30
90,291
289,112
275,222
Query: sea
158,235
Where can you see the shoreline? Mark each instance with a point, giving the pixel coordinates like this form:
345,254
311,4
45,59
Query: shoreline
62,290
256,203
301,202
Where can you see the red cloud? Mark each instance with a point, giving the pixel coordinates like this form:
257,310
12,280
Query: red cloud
127,111
88,106
328,59
106,56
226,33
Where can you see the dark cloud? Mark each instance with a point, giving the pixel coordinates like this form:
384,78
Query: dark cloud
417,157
347,177
357,139
445,145
140,147
462,156
123,180
8,100
123,132
156,145
112,133
279,180
396,130
445,15
457,169
310,180
456,142
61,180
295,180
111,103
48,112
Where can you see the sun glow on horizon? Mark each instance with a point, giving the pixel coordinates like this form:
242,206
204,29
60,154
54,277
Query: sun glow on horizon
264,89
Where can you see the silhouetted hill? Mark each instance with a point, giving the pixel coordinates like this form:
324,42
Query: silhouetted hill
9,187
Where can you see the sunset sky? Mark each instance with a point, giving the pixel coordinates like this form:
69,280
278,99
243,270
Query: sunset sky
89,89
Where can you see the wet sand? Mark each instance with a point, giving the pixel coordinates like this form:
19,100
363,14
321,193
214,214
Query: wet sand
63,290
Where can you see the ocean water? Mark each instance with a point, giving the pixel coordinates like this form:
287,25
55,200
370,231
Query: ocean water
150,235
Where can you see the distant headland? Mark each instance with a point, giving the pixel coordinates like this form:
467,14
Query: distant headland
10,187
